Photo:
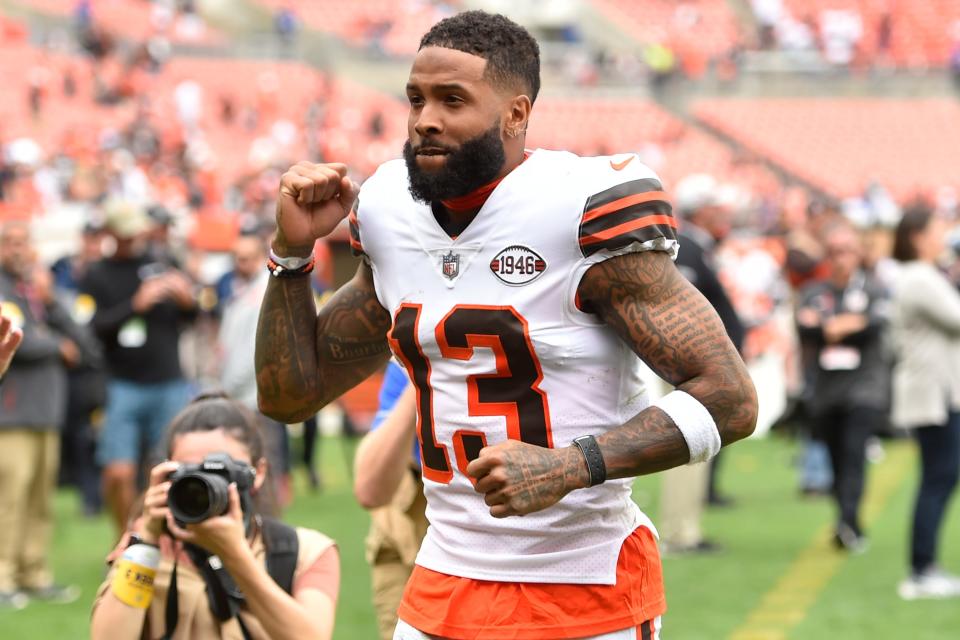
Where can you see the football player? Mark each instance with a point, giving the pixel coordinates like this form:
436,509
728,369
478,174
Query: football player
519,289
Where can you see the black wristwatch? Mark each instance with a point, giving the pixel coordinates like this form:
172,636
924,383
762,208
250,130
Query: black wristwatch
591,453
136,538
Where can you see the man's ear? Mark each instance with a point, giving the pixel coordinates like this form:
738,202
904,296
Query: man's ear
517,116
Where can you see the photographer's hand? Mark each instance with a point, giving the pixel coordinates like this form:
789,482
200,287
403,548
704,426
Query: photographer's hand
222,536
308,614
155,510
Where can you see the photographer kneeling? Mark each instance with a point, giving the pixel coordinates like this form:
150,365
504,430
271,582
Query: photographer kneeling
200,562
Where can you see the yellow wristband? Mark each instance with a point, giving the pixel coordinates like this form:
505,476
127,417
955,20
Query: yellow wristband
133,582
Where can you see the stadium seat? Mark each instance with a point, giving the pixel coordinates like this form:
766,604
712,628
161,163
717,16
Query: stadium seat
912,147
598,126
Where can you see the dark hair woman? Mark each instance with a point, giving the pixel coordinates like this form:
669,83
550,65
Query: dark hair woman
163,557
926,389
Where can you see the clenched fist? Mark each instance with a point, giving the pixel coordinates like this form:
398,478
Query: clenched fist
517,478
313,199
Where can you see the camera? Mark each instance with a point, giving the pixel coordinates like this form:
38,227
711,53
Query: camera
200,491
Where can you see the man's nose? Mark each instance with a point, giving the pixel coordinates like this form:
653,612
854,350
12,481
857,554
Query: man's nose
429,123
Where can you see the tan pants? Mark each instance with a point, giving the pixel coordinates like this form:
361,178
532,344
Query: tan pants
28,476
396,532
682,494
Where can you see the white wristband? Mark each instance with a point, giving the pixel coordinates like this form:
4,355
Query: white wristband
695,423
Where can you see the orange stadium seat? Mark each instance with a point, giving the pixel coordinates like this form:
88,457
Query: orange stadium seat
912,147
597,126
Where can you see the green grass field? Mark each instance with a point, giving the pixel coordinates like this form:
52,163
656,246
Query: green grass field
756,589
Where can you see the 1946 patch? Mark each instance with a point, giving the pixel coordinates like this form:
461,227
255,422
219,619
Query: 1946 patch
517,265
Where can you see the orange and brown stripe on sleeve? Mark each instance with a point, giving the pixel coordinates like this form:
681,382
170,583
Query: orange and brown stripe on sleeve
634,211
356,247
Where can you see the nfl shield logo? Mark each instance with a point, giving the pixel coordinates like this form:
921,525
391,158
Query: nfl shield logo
451,265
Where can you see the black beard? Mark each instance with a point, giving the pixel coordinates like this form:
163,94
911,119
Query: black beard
473,164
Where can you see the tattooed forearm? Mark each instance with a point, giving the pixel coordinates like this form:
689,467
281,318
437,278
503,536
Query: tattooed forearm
670,325
286,371
303,360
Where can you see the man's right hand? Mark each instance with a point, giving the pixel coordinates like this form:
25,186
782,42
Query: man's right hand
312,201
149,293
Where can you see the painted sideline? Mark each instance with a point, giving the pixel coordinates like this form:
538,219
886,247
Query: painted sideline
787,603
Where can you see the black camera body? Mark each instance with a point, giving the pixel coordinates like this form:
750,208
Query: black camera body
200,491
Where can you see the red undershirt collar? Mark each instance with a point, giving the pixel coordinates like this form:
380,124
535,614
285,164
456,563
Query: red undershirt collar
475,199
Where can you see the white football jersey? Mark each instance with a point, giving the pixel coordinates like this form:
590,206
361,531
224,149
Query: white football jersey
488,328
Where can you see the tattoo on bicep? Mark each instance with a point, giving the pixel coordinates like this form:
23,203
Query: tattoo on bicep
668,323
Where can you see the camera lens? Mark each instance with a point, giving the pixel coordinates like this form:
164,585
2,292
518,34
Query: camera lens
196,497
191,496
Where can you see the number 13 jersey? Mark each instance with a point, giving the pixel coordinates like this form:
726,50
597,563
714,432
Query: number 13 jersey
488,328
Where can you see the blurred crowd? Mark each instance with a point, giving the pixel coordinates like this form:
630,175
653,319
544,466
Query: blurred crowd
858,36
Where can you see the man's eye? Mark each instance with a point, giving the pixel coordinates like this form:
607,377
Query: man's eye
453,100
415,101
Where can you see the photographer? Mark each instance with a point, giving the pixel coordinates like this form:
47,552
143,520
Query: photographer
155,588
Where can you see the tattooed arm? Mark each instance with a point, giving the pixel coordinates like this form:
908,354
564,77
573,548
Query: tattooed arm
668,323
304,359
671,326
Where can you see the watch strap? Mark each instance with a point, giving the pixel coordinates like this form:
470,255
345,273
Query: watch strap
594,458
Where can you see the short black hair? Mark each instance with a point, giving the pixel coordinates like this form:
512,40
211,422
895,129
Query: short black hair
512,54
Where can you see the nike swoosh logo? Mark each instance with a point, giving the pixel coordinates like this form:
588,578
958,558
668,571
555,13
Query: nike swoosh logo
618,166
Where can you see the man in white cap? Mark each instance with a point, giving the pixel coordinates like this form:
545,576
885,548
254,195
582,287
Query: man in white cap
705,220
141,307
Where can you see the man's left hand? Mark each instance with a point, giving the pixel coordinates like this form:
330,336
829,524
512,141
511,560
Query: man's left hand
517,478
223,536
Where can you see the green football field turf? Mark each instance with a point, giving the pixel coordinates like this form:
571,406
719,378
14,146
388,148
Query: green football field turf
776,578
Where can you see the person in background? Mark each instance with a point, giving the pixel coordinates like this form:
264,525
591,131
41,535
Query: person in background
160,246
235,345
706,222
321,281
801,223
926,390
69,270
86,385
387,481
141,307
841,321
32,403
242,538
685,489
